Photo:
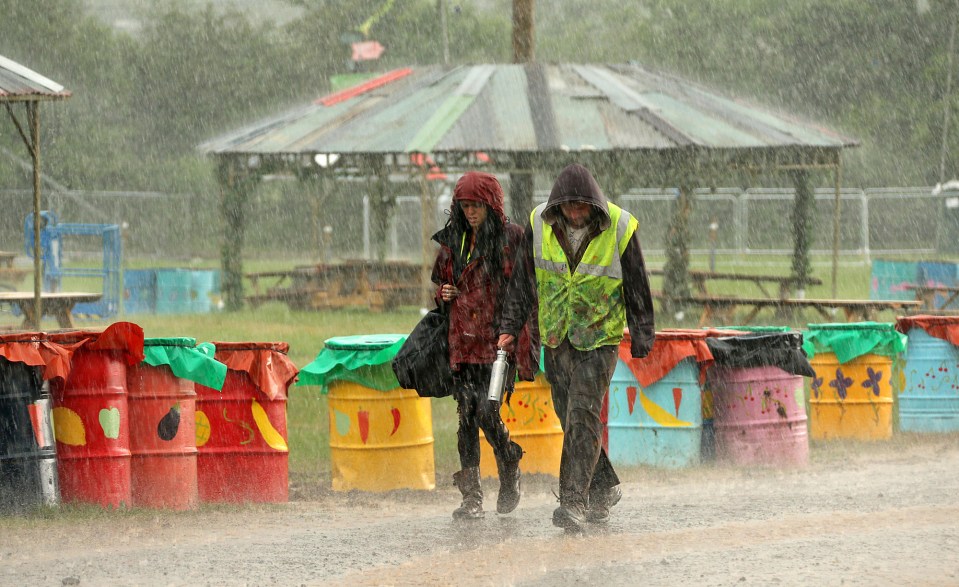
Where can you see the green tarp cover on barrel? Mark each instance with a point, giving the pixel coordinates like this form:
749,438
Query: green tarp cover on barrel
363,359
854,339
186,359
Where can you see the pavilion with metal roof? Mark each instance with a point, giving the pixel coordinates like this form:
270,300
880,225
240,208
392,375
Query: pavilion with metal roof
21,85
521,119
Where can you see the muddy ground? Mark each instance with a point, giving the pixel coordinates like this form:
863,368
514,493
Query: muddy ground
862,514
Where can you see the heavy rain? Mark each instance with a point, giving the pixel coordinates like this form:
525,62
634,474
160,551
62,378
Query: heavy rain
230,229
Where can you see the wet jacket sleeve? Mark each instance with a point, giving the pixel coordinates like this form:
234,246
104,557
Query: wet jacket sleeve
638,298
521,291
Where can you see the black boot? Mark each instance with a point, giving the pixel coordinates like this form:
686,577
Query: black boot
508,497
468,482
600,500
571,513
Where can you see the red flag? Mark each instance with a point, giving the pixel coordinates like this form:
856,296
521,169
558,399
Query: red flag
367,50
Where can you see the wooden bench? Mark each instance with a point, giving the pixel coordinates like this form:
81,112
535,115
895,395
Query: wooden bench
721,309
362,284
10,277
927,294
785,283
56,304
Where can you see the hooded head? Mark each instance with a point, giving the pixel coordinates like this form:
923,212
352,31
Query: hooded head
479,187
576,184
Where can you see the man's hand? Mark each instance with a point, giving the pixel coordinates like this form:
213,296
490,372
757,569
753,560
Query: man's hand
507,342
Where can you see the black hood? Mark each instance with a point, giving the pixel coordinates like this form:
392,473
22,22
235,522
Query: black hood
576,184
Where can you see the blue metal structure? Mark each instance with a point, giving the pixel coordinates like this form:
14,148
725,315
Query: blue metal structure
52,235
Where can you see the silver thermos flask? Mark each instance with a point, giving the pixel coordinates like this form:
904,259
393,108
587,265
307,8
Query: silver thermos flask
497,381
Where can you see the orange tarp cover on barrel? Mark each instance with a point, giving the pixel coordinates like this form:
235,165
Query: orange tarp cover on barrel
670,347
944,327
265,362
125,338
33,349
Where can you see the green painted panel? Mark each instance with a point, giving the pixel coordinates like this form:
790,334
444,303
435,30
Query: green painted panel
804,134
702,127
508,94
579,123
440,123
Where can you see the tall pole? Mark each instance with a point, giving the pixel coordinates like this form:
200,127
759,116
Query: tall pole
523,37
33,113
947,102
445,32
835,228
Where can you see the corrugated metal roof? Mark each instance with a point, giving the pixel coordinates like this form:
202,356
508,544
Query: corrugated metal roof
523,108
20,83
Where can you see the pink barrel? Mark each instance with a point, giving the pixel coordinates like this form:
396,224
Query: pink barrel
759,416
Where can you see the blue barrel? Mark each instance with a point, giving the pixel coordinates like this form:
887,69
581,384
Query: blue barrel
174,287
658,425
891,278
932,273
203,288
929,400
139,291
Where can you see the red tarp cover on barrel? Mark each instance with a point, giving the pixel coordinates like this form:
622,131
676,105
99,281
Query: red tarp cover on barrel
265,362
125,338
669,348
33,349
944,327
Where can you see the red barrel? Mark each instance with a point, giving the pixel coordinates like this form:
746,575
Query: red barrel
162,438
93,444
241,433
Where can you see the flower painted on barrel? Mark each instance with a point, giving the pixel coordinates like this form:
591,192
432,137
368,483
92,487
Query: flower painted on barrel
817,386
872,380
841,383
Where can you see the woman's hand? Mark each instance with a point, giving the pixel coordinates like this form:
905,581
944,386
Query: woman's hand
448,292
507,342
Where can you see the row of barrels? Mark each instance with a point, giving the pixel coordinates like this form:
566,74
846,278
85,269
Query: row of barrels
110,418
745,397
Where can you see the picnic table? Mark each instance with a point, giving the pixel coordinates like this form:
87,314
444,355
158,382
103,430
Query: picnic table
6,258
721,309
359,283
56,304
786,283
927,294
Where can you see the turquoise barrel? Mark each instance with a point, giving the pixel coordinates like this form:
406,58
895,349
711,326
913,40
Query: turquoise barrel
658,424
929,398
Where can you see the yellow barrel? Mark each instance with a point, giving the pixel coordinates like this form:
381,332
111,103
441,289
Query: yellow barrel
851,400
380,440
534,425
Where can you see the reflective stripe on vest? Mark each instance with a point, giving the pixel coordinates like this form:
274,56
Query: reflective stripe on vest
587,305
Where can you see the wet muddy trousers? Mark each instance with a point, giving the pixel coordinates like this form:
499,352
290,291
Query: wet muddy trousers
478,413
579,381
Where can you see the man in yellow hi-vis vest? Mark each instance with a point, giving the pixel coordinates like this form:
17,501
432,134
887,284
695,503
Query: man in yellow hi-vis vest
581,259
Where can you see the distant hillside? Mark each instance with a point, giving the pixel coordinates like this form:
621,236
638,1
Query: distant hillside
126,15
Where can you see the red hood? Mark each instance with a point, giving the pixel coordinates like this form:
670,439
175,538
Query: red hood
481,187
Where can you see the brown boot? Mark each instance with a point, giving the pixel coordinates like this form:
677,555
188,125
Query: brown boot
468,482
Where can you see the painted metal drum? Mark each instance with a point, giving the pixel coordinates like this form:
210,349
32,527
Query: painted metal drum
534,425
241,431
93,430
851,400
162,438
28,468
759,416
380,440
658,425
929,399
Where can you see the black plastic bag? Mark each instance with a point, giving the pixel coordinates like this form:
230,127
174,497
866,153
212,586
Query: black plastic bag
423,362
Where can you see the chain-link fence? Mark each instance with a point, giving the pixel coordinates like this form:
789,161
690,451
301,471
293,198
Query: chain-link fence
284,221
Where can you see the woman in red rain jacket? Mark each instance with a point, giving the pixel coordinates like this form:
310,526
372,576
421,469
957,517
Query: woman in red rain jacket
472,270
